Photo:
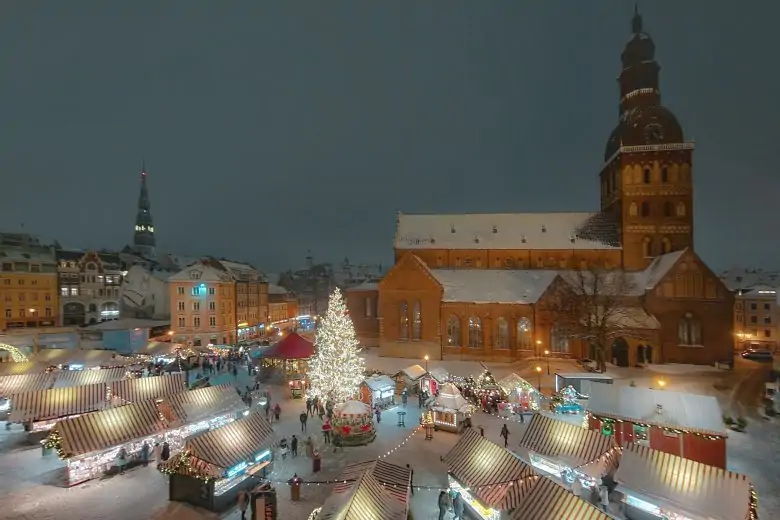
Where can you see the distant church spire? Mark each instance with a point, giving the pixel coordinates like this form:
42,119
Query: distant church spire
636,21
143,236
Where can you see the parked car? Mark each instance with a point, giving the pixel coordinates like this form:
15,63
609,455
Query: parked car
757,354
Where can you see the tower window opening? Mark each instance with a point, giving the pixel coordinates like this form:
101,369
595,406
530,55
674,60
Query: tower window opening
645,209
665,174
646,176
667,209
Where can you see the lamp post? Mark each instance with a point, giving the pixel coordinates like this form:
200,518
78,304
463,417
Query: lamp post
539,375
547,355
426,363
538,345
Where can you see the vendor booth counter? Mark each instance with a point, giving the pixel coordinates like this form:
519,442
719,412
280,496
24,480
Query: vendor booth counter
90,444
211,468
378,390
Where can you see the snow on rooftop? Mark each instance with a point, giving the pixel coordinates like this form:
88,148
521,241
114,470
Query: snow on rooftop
661,407
276,289
365,286
657,269
550,231
130,323
493,285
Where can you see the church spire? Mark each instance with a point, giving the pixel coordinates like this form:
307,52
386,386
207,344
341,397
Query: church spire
636,21
143,236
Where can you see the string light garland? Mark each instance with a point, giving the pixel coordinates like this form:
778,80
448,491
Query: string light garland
54,442
416,430
336,369
183,465
753,503
667,429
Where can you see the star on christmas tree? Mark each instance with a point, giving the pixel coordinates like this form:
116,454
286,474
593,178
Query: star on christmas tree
336,370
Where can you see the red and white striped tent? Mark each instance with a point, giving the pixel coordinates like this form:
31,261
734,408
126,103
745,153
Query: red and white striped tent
56,403
548,500
494,475
21,383
683,486
569,445
67,378
375,489
133,390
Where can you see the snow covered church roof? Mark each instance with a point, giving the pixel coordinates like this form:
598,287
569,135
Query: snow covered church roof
546,231
493,285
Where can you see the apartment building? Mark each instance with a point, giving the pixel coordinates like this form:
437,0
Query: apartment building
89,286
756,314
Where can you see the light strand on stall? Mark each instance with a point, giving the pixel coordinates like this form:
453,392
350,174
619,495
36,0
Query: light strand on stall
667,429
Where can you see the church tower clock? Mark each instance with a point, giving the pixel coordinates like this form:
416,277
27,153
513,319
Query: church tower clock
646,181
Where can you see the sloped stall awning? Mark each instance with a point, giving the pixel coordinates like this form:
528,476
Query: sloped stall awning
108,428
587,451
133,390
57,402
512,381
293,346
67,378
363,499
379,382
494,475
396,479
450,399
83,357
413,372
213,453
18,384
160,348
548,500
689,487
22,367
196,405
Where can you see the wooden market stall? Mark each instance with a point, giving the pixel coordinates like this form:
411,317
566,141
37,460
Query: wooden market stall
567,451
378,390
68,378
212,467
22,383
450,409
354,422
138,389
522,396
286,359
431,382
375,489
656,485
491,480
548,500
89,444
22,367
409,379
203,409
40,410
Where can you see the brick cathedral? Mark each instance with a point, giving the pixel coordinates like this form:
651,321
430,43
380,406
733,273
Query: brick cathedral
474,286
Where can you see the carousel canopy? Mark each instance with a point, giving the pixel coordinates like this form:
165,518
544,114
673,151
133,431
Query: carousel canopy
449,398
352,408
293,346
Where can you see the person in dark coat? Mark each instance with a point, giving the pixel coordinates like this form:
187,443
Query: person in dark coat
294,446
457,507
411,478
304,417
166,451
505,435
443,504
277,411
145,454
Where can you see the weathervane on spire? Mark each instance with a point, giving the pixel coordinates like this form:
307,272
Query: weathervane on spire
636,21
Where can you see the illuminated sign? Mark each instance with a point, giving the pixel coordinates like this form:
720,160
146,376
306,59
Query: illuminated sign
261,456
238,468
767,292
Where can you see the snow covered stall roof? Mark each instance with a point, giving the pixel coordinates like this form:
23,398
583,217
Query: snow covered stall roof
196,405
133,390
22,367
379,382
691,487
66,378
664,408
509,383
413,372
87,358
375,489
494,475
57,402
213,453
493,285
450,399
22,383
549,500
588,450
545,231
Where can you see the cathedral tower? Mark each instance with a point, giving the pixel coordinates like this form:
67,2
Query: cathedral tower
646,181
143,237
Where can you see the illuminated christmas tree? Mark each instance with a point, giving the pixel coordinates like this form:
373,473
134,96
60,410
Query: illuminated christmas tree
336,370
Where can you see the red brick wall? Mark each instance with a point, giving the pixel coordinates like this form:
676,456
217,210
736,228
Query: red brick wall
363,307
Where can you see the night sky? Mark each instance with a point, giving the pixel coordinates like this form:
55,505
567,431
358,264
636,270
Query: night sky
274,127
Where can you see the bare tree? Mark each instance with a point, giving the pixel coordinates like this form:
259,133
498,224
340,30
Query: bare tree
598,306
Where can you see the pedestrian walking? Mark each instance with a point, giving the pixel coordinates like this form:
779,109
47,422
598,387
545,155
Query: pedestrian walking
283,448
457,507
294,446
309,447
404,398
121,461
604,497
576,487
411,478
443,504
277,412
505,435
235,372
378,413
166,451
145,449
157,452
326,429
243,502
304,417
337,442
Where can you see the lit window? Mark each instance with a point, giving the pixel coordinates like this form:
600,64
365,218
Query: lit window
212,306
212,291
403,321
524,334
64,291
416,321
502,333
689,330
182,321
180,290
453,331
475,332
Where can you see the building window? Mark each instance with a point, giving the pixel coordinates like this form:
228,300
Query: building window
212,321
20,282
368,305
453,331
182,321
8,313
664,174
767,333
502,334
196,321
646,176
767,320
21,297
21,313
475,332
668,209
64,291
180,290
180,305
524,340
689,330
195,275
767,306
647,247
754,320
680,209
633,210
7,281
403,321
416,321
195,306
212,291
47,312
666,245
199,290
468,262
559,341
645,209
212,306
753,306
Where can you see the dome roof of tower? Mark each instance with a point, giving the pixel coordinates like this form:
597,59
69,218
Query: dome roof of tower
639,49
644,125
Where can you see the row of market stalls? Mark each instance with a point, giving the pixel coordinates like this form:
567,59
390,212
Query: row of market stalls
90,443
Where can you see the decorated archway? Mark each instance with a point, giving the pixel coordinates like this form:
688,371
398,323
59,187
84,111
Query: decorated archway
16,354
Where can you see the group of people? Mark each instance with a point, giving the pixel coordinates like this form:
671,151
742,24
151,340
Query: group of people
451,501
159,453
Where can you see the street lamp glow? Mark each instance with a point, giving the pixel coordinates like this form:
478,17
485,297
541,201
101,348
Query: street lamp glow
546,352
539,369
661,383
426,357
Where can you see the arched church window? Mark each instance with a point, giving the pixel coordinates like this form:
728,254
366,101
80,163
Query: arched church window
403,321
645,211
680,209
667,209
559,340
647,247
524,340
646,176
416,321
453,331
475,332
502,333
633,210
664,174
689,330
666,245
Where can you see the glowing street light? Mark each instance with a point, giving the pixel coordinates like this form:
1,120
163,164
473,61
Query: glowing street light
426,362
539,375
547,355
661,383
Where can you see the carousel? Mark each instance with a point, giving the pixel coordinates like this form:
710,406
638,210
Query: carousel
353,421
451,411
